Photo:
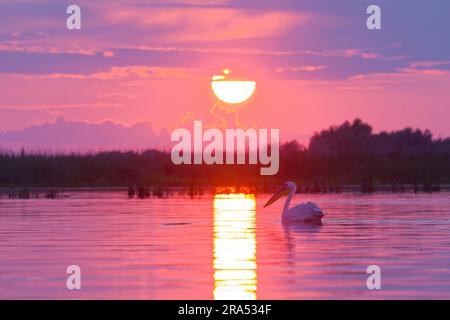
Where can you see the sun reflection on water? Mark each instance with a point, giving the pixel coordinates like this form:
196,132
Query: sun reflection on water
234,261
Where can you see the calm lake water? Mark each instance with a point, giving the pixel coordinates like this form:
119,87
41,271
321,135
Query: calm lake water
224,246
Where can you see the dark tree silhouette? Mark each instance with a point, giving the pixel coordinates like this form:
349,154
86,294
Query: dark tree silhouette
346,154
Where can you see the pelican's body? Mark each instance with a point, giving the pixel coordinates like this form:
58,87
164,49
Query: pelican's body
303,212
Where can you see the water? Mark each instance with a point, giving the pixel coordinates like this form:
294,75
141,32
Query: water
224,247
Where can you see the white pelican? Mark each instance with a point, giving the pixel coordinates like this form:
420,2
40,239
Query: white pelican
303,212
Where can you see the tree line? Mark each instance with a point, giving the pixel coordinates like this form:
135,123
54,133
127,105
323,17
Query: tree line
346,154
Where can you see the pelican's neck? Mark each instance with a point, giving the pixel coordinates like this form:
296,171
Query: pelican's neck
289,198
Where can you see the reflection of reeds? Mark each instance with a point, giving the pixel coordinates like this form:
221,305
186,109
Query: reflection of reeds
145,192
21,194
34,194
197,190
193,190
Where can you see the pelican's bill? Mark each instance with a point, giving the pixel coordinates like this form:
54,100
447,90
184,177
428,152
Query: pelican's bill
276,196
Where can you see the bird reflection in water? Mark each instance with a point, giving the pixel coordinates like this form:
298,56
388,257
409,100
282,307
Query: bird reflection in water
234,263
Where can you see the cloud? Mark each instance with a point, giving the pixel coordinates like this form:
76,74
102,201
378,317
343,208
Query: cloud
302,69
150,23
116,73
65,135
401,78
31,47
181,34
206,24
116,95
56,108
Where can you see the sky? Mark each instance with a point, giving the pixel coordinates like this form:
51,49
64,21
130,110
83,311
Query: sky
315,64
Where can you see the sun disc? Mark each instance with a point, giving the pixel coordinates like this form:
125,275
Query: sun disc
232,91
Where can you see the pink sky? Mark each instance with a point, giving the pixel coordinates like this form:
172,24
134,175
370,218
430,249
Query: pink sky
314,67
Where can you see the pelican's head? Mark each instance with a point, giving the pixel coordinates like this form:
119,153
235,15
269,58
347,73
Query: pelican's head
284,190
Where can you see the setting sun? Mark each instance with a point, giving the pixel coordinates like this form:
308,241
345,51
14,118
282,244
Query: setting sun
230,90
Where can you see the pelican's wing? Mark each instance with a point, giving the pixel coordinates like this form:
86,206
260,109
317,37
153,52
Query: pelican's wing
314,207
303,212
300,211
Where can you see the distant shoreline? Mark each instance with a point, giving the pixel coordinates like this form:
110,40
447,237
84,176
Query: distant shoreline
347,157
210,189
